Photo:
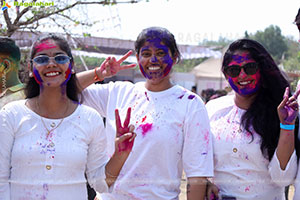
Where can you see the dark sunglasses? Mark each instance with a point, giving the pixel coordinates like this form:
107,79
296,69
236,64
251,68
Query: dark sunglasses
44,60
235,70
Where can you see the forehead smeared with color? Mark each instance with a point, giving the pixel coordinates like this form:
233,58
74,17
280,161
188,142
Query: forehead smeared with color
240,57
45,45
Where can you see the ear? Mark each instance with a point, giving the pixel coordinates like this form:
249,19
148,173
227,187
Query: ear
29,65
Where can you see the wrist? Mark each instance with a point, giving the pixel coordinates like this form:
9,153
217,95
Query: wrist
288,127
96,76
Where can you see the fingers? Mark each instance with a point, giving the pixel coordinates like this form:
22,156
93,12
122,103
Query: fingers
118,121
296,94
127,66
124,57
131,129
103,64
285,98
286,92
127,119
125,137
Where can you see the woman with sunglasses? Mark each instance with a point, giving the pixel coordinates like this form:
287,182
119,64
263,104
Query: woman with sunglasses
254,129
50,142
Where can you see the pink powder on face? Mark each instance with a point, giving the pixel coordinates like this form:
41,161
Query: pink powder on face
145,128
45,45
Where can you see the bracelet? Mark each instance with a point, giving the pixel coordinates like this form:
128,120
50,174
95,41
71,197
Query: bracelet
288,127
96,77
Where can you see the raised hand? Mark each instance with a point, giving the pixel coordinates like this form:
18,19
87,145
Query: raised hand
125,135
111,66
288,108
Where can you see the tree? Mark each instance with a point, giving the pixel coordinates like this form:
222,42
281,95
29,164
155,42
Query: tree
29,16
272,39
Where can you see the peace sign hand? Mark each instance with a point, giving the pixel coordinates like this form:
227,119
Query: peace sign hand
288,108
111,66
125,135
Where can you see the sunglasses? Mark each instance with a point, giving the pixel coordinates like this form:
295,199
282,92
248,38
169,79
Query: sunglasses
235,70
44,60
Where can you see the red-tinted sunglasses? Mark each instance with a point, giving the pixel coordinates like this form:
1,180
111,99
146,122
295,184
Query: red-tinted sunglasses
235,70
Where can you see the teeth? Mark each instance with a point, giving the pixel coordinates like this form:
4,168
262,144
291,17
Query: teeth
52,74
244,82
154,68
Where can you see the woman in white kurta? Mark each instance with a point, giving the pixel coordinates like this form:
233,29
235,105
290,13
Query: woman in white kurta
253,130
171,124
49,142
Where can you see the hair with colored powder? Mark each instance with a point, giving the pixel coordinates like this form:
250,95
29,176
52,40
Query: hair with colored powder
33,88
8,46
158,32
262,114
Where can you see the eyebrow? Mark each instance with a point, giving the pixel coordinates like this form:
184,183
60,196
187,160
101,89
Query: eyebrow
44,54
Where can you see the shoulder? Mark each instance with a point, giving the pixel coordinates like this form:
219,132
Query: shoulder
88,111
219,104
14,105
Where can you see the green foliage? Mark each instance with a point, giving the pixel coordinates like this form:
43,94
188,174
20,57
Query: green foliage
91,62
187,65
221,43
272,39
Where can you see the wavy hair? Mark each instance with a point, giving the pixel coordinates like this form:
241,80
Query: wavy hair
262,114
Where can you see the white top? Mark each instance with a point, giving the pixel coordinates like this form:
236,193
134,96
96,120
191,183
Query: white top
173,134
297,180
34,166
241,170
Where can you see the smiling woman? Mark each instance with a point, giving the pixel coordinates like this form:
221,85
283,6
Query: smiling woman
51,144
171,123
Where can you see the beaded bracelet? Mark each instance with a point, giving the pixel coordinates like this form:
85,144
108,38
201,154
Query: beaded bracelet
288,127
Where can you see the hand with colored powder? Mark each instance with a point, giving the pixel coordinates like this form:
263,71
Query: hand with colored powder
288,108
111,66
125,135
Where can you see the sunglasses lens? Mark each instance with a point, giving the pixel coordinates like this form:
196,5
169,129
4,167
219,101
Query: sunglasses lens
61,59
250,68
41,60
233,71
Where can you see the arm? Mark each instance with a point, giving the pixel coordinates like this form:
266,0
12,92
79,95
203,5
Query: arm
108,68
287,112
196,188
123,147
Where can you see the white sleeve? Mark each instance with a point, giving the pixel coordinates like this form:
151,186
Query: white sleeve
197,149
97,158
6,145
283,177
96,96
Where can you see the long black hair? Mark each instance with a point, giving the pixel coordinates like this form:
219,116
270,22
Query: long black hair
33,88
262,113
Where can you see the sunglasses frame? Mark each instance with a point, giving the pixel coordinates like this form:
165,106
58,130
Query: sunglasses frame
67,60
244,67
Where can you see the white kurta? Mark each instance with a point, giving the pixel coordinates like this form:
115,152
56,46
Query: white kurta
241,170
34,166
173,134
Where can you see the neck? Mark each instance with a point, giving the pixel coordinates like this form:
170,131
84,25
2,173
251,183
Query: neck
9,82
52,103
159,86
244,102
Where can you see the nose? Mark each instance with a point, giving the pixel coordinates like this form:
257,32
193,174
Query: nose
242,73
51,62
153,59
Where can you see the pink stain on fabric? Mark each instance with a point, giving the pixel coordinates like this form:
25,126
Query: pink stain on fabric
145,128
247,189
144,118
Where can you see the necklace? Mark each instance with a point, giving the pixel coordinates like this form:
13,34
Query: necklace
52,124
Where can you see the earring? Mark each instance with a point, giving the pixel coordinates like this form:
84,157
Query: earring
73,71
30,74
